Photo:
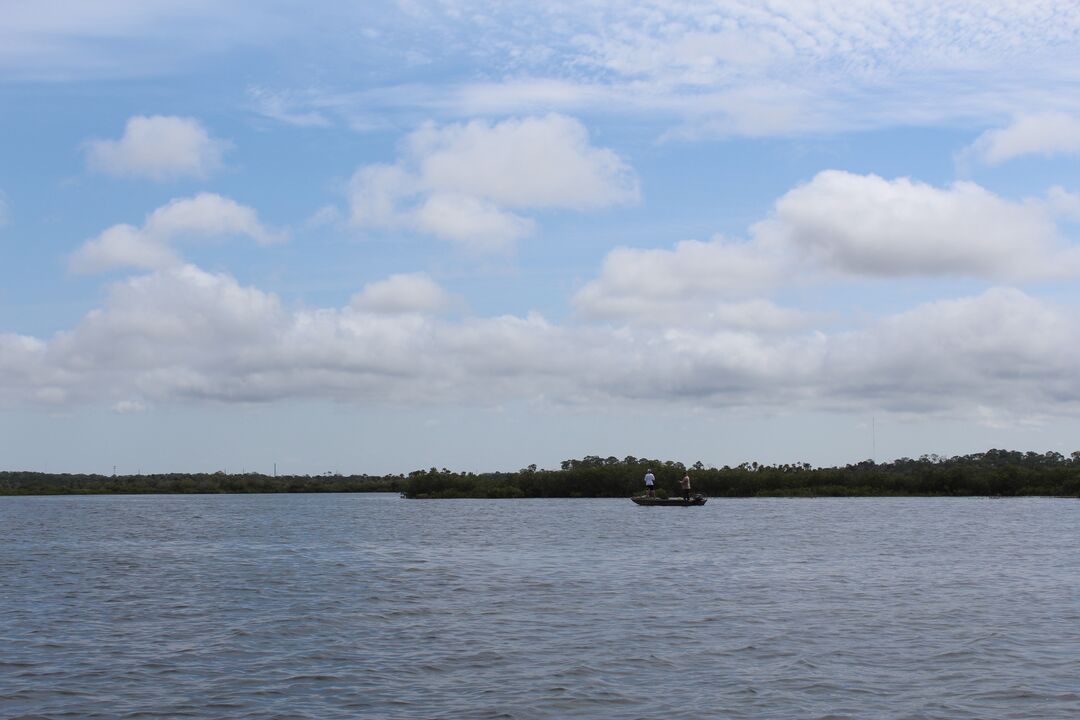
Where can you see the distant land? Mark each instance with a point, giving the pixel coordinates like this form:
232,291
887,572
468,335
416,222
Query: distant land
992,473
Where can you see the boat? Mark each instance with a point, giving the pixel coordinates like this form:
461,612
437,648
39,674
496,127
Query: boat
667,502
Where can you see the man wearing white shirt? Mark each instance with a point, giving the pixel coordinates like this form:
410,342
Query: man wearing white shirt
649,484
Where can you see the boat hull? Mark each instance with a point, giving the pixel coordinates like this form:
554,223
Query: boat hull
670,502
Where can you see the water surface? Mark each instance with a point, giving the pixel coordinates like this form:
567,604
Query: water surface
345,606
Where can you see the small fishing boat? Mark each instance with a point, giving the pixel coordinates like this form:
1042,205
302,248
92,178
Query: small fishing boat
674,501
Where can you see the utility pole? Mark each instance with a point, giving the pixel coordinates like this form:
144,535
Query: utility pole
275,469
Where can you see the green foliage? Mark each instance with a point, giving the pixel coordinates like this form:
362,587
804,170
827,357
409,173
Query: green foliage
30,483
995,472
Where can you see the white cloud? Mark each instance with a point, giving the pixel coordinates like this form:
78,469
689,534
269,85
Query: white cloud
203,216
867,225
459,182
1048,133
121,246
470,221
695,282
184,333
795,67
403,293
708,68
843,224
535,162
159,148
699,324
127,407
1001,349
740,67
207,214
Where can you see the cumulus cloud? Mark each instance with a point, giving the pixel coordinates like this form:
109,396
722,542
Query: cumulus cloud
1000,348
402,293
533,162
121,246
159,148
694,282
464,182
182,332
205,215
867,225
470,221
1046,134
696,324
837,224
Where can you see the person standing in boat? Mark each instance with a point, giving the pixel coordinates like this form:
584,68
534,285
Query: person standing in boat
685,485
650,483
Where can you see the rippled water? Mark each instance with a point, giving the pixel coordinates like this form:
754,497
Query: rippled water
344,606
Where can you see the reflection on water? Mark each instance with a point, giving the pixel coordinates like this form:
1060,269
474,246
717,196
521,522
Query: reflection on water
344,606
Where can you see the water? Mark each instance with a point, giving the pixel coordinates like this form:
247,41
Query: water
346,606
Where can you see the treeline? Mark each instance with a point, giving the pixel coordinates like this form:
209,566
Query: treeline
995,473
33,483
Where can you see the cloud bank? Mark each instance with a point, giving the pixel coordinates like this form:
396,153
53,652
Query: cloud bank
700,324
182,332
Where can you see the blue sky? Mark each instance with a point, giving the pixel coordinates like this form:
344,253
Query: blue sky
381,236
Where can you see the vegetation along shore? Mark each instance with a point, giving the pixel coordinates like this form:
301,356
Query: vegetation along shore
993,473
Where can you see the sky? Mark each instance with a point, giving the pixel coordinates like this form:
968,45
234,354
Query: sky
373,237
